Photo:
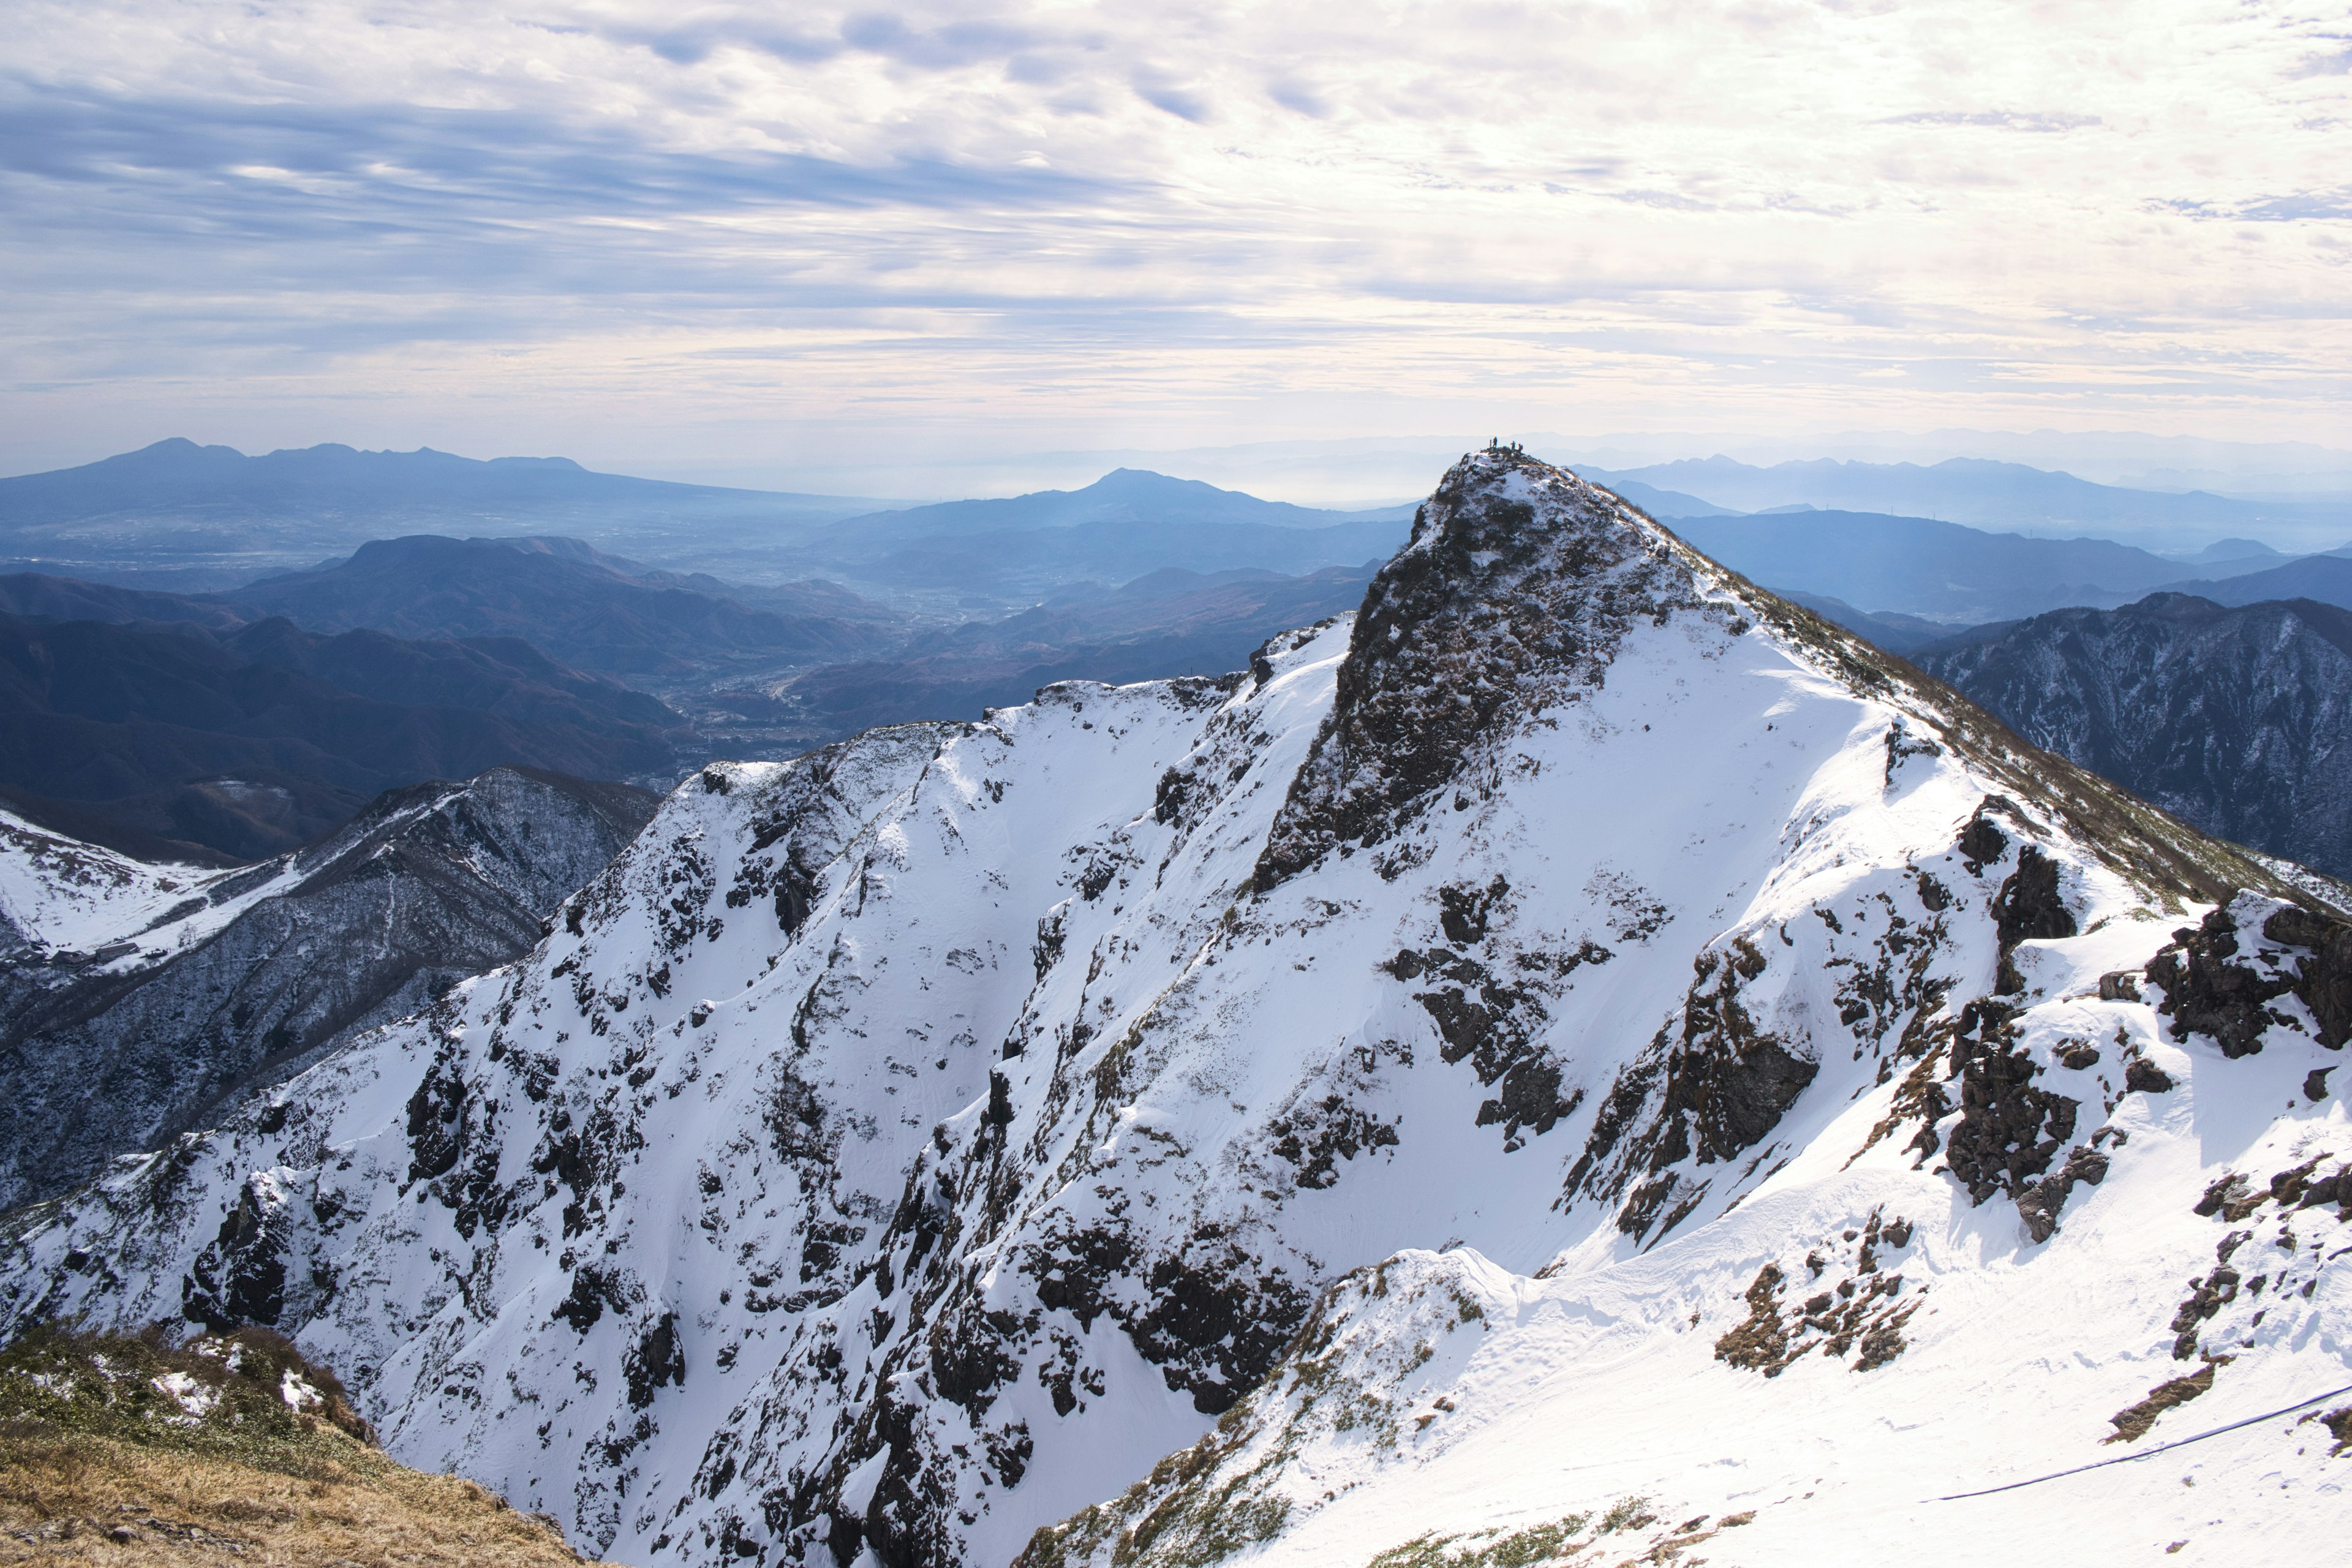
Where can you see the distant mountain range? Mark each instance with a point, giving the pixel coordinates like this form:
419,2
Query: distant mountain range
247,743
592,610
2326,578
2237,718
2006,496
198,519
1123,495
207,516
1126,525
1173,622
1948,571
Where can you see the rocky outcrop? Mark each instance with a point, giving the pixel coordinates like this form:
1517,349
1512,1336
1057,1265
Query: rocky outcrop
1518,586
2221,982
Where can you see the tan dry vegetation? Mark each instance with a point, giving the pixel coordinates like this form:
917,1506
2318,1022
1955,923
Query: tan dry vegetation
70,1498
227,1448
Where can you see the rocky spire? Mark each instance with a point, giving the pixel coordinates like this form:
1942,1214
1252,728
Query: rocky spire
1512,597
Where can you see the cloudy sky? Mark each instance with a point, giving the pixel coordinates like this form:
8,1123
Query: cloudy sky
769,241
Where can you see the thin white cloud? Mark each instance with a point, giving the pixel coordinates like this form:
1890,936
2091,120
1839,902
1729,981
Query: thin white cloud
1091,224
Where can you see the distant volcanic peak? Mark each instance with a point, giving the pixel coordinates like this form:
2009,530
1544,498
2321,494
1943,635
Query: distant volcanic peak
1519,586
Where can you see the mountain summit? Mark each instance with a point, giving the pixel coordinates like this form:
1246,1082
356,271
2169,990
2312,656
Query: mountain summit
1579,1049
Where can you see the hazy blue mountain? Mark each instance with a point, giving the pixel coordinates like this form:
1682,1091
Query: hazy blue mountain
2325,578
1038,561
1123,495
1918,566
1173,622
1656,501
177,511
1990,494
1895,633
2236,718
2234,554
583,607
332,479
1128,524
248,743
55,599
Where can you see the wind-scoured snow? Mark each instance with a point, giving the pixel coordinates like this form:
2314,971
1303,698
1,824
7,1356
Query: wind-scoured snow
1419,1087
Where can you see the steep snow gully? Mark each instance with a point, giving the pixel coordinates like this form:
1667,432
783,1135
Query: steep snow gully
1582,1055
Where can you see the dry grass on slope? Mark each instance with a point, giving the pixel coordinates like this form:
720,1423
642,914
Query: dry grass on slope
230,1451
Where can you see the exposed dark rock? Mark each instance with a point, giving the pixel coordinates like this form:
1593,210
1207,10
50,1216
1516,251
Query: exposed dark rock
1313,1137
240,1279
1490,1023
2209,1295
2206,993
2009,1131
593,1289
1760,1341
1464,911
1512,597
2229,1195
2295,1188
1981,843
2039,1204
2142,1075
435,1121
1726,1083
657,1360
1217,1320
2028,907
1861,1311
2322,975
2132,1422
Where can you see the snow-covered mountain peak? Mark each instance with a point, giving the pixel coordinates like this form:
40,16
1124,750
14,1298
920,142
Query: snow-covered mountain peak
1517,588
972,1127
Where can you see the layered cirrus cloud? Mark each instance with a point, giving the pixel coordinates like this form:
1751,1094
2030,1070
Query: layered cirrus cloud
1174,220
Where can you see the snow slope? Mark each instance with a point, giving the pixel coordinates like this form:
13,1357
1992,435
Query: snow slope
190,986
64,901
904,1148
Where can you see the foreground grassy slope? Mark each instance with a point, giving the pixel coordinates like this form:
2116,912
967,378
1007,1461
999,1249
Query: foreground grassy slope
226,1450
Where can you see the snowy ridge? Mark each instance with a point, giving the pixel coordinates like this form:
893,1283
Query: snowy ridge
62,901
904,1148
201,986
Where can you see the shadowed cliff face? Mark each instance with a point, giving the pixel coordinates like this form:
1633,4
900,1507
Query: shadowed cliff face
427,886
2239,721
